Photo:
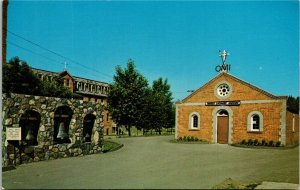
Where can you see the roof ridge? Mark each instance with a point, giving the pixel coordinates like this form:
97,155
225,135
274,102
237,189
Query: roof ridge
211,80
253,86
234,78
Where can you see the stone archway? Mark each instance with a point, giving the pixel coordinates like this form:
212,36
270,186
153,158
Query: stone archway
30,123
88,124
62,118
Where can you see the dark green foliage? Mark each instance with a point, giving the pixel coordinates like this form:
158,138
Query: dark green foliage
19,78
132,103
255,142
127,96
263,142
278,143
271,143
188,139
250,142
243,141
55,88
293,104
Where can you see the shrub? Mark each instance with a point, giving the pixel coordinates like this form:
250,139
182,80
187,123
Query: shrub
271,143
263,142
255,142
250,142
243,141
188,138
196,139
192,138
180,139
278,143
184,138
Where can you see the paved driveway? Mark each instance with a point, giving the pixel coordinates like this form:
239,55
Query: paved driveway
154,162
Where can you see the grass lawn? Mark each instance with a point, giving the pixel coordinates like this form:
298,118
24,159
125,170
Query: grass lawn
111,146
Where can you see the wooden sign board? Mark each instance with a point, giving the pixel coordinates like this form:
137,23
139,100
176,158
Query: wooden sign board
13,133
224,103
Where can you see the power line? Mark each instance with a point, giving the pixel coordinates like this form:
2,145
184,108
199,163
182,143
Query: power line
45,57
57,54
16,45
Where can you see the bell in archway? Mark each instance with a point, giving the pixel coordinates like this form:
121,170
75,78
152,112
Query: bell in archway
61,131
29,136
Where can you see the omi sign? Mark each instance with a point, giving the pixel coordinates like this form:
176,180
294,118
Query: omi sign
224,67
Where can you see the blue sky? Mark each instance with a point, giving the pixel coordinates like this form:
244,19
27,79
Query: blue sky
179,40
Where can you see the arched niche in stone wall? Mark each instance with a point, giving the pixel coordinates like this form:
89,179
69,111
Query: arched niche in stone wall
62,118
30,123
88,123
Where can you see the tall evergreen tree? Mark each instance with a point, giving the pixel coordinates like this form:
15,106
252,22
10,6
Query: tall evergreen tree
127,95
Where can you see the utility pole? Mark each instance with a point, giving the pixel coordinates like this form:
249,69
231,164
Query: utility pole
4,29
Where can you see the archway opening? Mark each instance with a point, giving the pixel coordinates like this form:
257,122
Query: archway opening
88,123
62,119
30,123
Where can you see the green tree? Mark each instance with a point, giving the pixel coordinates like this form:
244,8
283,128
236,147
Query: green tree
293,104
157,111
55,88
126,96
19,78
163,99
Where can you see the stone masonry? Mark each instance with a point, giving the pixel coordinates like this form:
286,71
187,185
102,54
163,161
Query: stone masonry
15,105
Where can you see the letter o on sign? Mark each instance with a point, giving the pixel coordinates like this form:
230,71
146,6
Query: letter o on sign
218,68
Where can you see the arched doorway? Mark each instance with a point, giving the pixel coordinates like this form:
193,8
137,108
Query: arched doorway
88,123
222,127
62,118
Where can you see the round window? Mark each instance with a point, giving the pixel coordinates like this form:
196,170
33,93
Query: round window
223,90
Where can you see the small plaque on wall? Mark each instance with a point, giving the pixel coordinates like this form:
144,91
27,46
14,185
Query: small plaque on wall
13,133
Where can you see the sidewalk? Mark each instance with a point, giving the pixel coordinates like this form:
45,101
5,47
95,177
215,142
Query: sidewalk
276,185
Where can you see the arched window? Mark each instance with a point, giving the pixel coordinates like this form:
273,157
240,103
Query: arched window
255,121
194,121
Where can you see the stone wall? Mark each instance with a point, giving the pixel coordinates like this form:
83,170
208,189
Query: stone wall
17,152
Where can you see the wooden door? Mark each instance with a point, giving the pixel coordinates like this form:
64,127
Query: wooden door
222,131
